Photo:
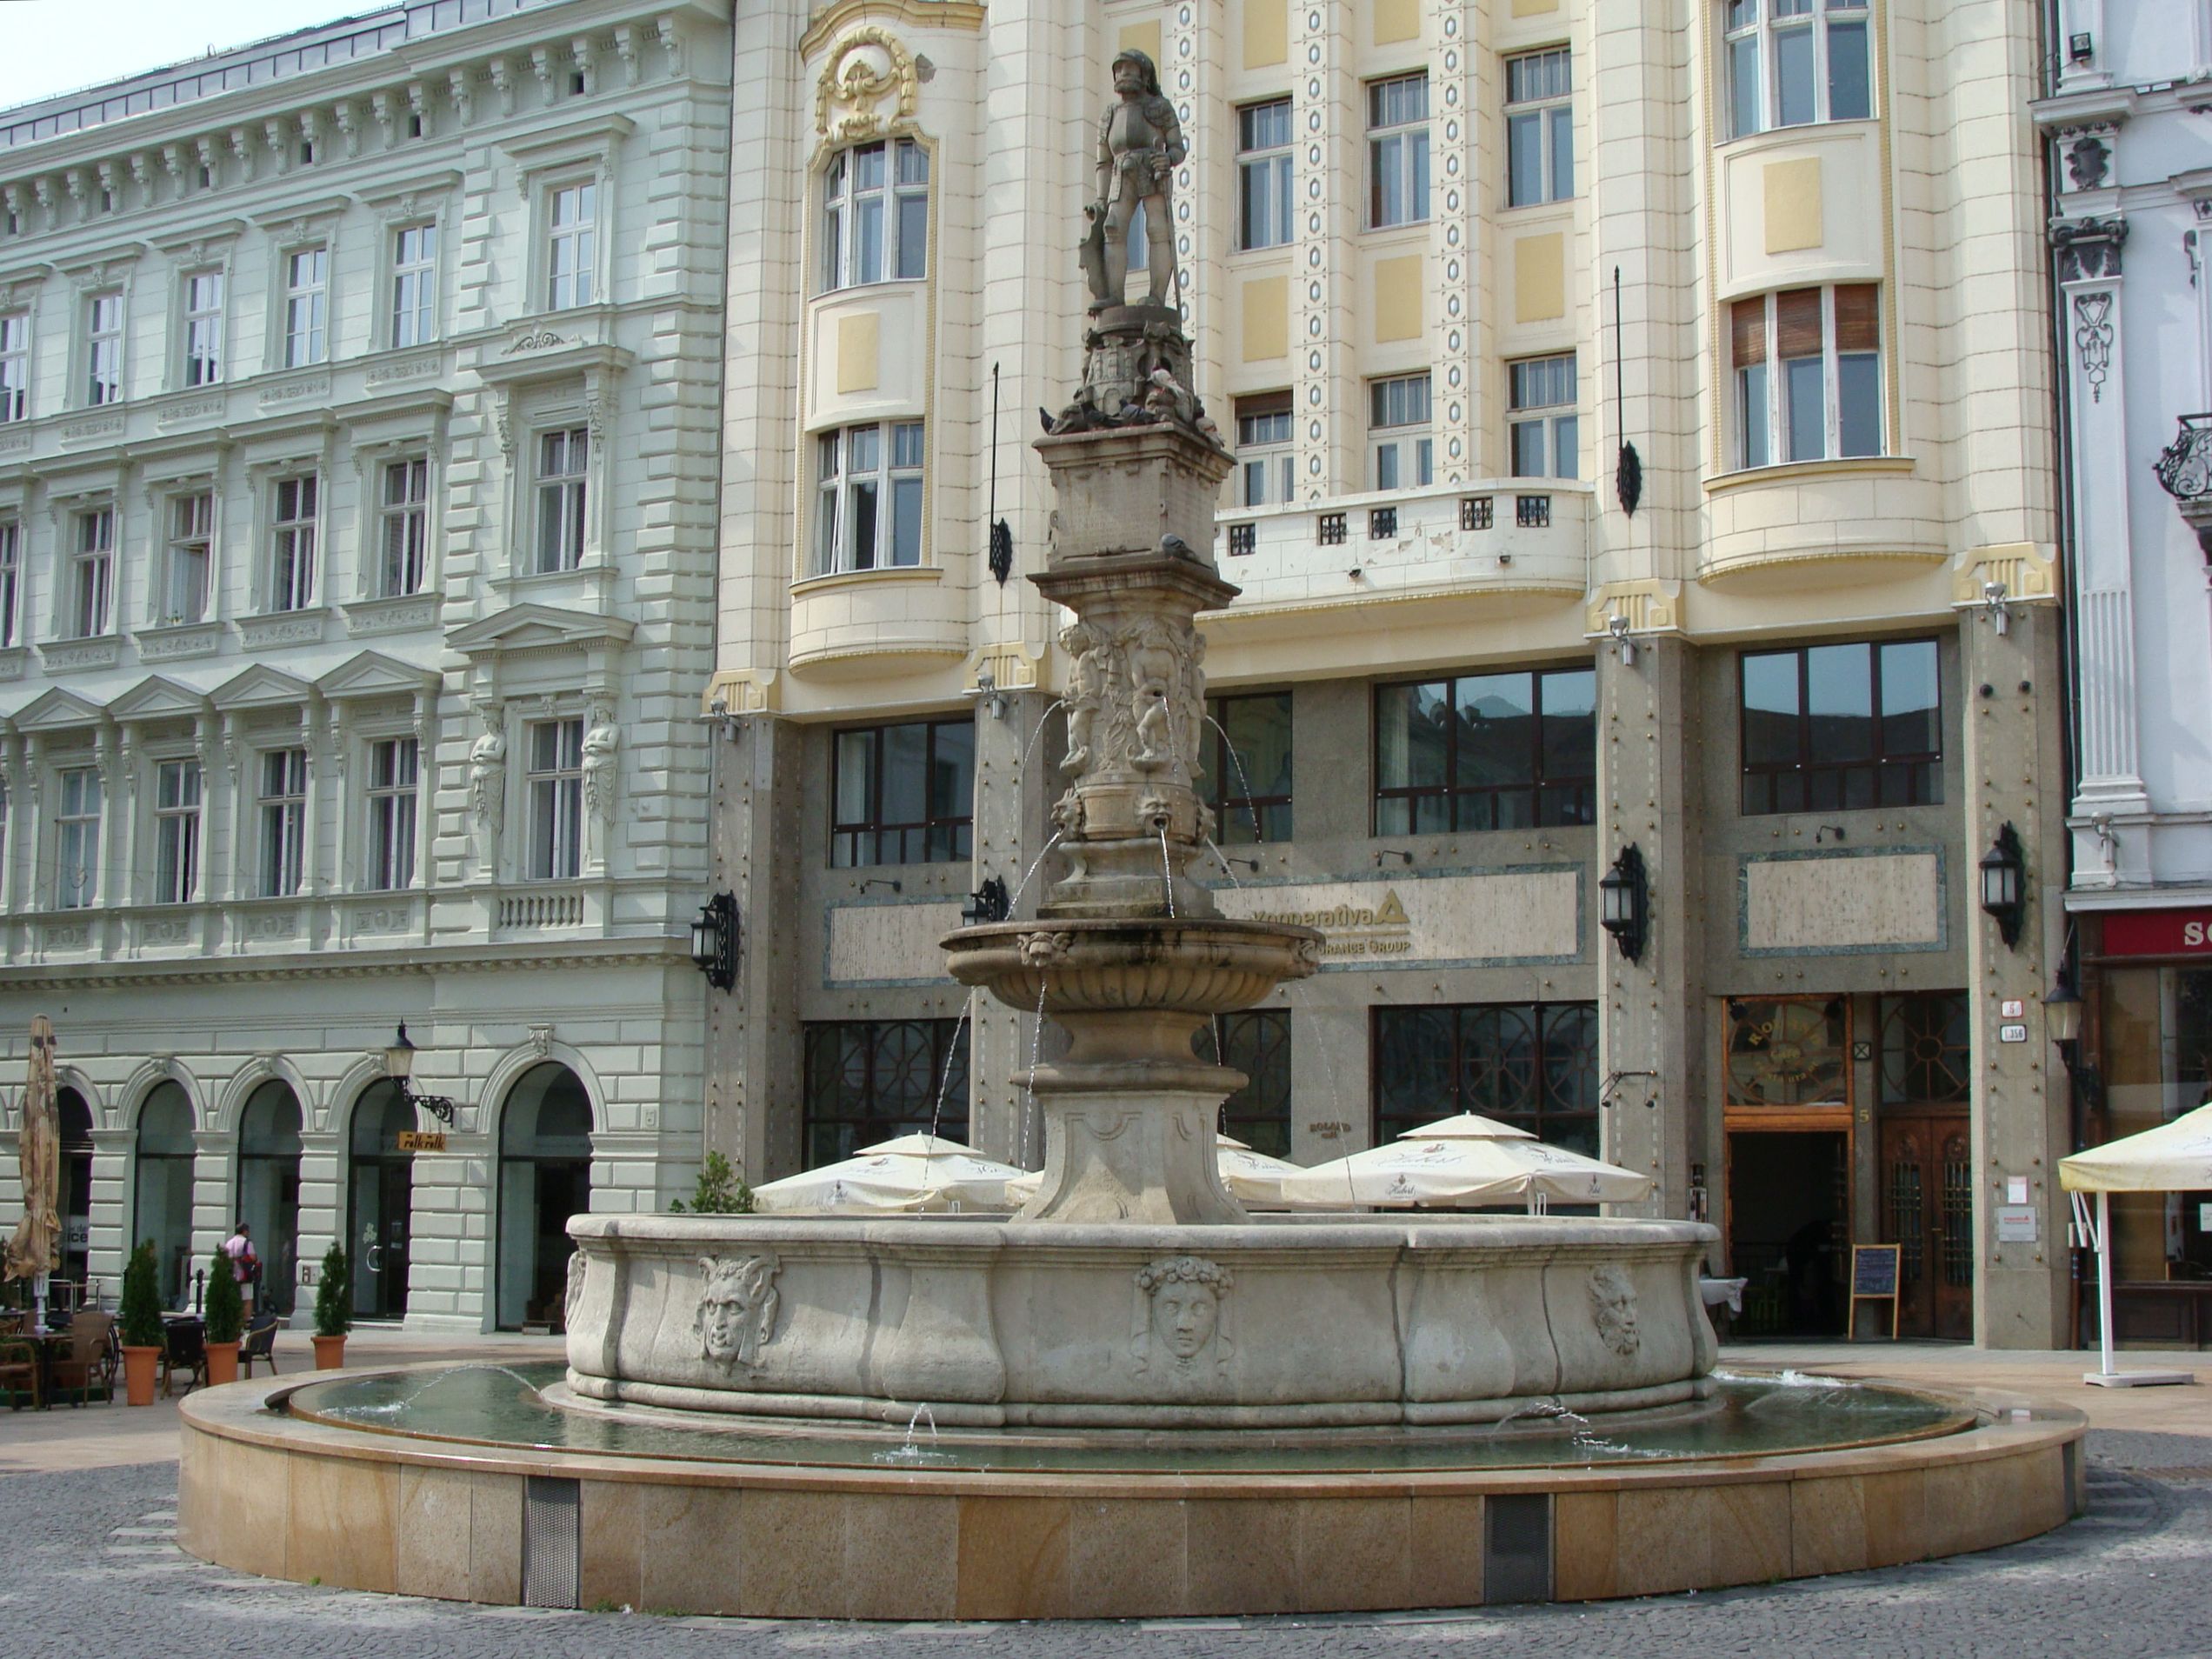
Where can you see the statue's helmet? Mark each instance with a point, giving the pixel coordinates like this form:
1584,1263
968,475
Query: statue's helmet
1144,62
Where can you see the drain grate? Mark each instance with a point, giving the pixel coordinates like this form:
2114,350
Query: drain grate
551,1542
1516,1548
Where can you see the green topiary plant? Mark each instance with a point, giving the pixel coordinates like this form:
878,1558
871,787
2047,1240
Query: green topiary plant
719,1191
140,1315
334,1294
225,1309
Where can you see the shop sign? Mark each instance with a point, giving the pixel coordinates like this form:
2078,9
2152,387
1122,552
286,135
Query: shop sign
421,1139
1378,930
2016,1225
2158,933
78,1235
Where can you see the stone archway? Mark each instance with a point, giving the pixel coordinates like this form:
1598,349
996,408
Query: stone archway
544,1177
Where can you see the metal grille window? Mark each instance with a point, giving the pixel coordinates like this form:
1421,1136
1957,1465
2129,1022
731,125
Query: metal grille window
1808,374
307,306
77,839
204,328
1927,1049
869,1081
185,560
555,783
414,307
860,469
1539,128
564,462
1248,767
1402,448
875,215
1397,151
1267,466
1837,727
1533,1065
1243,539
1475,512
1790,63
571,243
1328,529
92,586
903,794
1263,174
291,543
1546,434
394,764
1382,523
1486,751
1256,1043
10,578
403,527
104,348
176,831
283,821
1532,512
15,366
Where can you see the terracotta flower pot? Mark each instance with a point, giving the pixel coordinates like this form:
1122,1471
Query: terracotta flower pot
223,1363
329,1351
140,1368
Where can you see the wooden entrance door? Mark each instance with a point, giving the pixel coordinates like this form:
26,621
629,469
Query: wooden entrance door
1927,1212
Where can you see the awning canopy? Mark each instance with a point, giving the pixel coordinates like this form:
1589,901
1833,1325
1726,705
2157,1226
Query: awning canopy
2174,1157
913,1172
1463,1160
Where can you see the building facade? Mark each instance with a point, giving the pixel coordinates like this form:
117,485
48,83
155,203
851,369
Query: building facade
356,555
2132,183
1442,262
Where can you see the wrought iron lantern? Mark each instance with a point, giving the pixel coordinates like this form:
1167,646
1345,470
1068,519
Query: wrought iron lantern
2004,883
399,1066
713,941
1625,902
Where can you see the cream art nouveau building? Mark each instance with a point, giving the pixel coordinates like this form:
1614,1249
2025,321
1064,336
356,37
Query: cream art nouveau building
356,491
1442,262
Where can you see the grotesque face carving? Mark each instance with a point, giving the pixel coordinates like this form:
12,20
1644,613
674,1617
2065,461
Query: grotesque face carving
738,1306
1613,1307
1179,1316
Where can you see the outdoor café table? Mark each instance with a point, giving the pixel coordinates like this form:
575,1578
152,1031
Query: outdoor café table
48,1345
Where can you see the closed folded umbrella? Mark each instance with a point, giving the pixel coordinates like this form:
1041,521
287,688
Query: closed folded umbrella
1463,1160
1252,1177
912,1172
31,1254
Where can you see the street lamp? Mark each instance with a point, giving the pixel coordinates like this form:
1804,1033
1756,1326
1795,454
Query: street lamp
2063,1023
2004,871
399,1066
1625,902
713,941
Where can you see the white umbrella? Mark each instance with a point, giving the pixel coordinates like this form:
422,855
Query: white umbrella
912,1172
2174,1157
1252,1177
1463,1160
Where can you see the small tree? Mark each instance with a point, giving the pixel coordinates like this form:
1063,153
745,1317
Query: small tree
225,1307
334,1294
719,1191
140,1314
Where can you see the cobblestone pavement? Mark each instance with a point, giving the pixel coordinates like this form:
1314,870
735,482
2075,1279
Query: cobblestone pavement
91,1567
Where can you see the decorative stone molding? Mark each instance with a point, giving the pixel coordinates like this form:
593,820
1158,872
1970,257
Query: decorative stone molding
291,628
867,67
168,643
2089,248
2093,339
407,615
76,656
1179,1327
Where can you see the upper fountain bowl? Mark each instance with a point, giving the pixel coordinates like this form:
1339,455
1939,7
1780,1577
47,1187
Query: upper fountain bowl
1199,966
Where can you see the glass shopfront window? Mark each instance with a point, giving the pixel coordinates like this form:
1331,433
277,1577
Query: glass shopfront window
2156,1062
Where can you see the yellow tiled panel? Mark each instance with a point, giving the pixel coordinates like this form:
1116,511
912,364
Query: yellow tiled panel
1266,318
1397,299
1793,191
1534,8
856,352
1396,20
1144,35
1539,277
1267,33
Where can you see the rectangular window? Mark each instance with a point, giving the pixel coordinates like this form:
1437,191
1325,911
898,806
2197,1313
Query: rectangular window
1247,764
10,578
414,307
185,560
1791,63
1532,1065
204,328
903,794
1808,374
861,472
1267,466
307,306
1486,751
572,232
104,348
176,831
1256,1043
870,1081
1546,436
291,543
555,800
15,366
76,840
91,588
1397,151
1539,128
875,215
394,763
403,528
283,821
563,459
1400,442
1263,174
1829,728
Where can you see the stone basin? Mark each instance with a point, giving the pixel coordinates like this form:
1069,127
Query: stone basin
1198,966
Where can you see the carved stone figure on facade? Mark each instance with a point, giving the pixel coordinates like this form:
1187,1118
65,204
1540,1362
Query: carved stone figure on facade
601,739
574,1292
1612,1300
1155,728
737,1305
1140,145
1086,685
1179,1318
488,777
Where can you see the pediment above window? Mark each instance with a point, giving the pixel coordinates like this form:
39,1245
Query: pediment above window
373,675
157,698
57,710
261,687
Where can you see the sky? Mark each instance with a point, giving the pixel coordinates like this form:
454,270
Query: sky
50,46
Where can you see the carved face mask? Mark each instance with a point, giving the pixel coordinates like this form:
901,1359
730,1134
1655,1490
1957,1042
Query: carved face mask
1183,1317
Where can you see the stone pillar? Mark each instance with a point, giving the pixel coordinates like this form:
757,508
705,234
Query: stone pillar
1017,770
214,1204
112,1167
322,1209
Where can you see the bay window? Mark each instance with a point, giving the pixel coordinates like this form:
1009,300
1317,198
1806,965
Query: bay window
1808,374
1791,63
875,215
868,501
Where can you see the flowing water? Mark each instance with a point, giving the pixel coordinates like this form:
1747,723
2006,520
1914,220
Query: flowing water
1244,782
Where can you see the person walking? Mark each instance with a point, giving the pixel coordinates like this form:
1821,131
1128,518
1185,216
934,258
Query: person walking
244,1264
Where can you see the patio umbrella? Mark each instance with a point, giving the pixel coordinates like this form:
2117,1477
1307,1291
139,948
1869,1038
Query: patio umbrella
1252,1177
2174,1157
30,1253
912,1172
1463,1160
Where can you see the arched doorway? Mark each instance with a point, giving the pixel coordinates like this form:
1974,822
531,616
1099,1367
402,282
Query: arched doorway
269,1179
76,1119
162,1209
544,1178
380,1196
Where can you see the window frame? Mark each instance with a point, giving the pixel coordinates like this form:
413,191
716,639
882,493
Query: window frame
78,823
391,806
1923,768
10,580
1543,1021
1557,421
178,830
410,325
1544,110
561,502
820,1041
302,313
1398,150
581,236
1420,433
289,582
842,207
1770,424
953,831
1236,811
1272,454
280,817
89,597
1273,166
202,328
103,345
1817,23
837,492
1539,785
15,381
1261,1043
182,536
408,518
553,790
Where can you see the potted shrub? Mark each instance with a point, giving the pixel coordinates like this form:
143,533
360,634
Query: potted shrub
718,1191
333,1309
140,1317
226,1312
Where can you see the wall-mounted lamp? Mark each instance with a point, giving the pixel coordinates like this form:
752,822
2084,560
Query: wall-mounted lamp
2063,1023
399,1066
713,941
2004,882
1827,832
1993,606
881,881
987,903
988,693
1618,627
1625,902
2081,48
1392,852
